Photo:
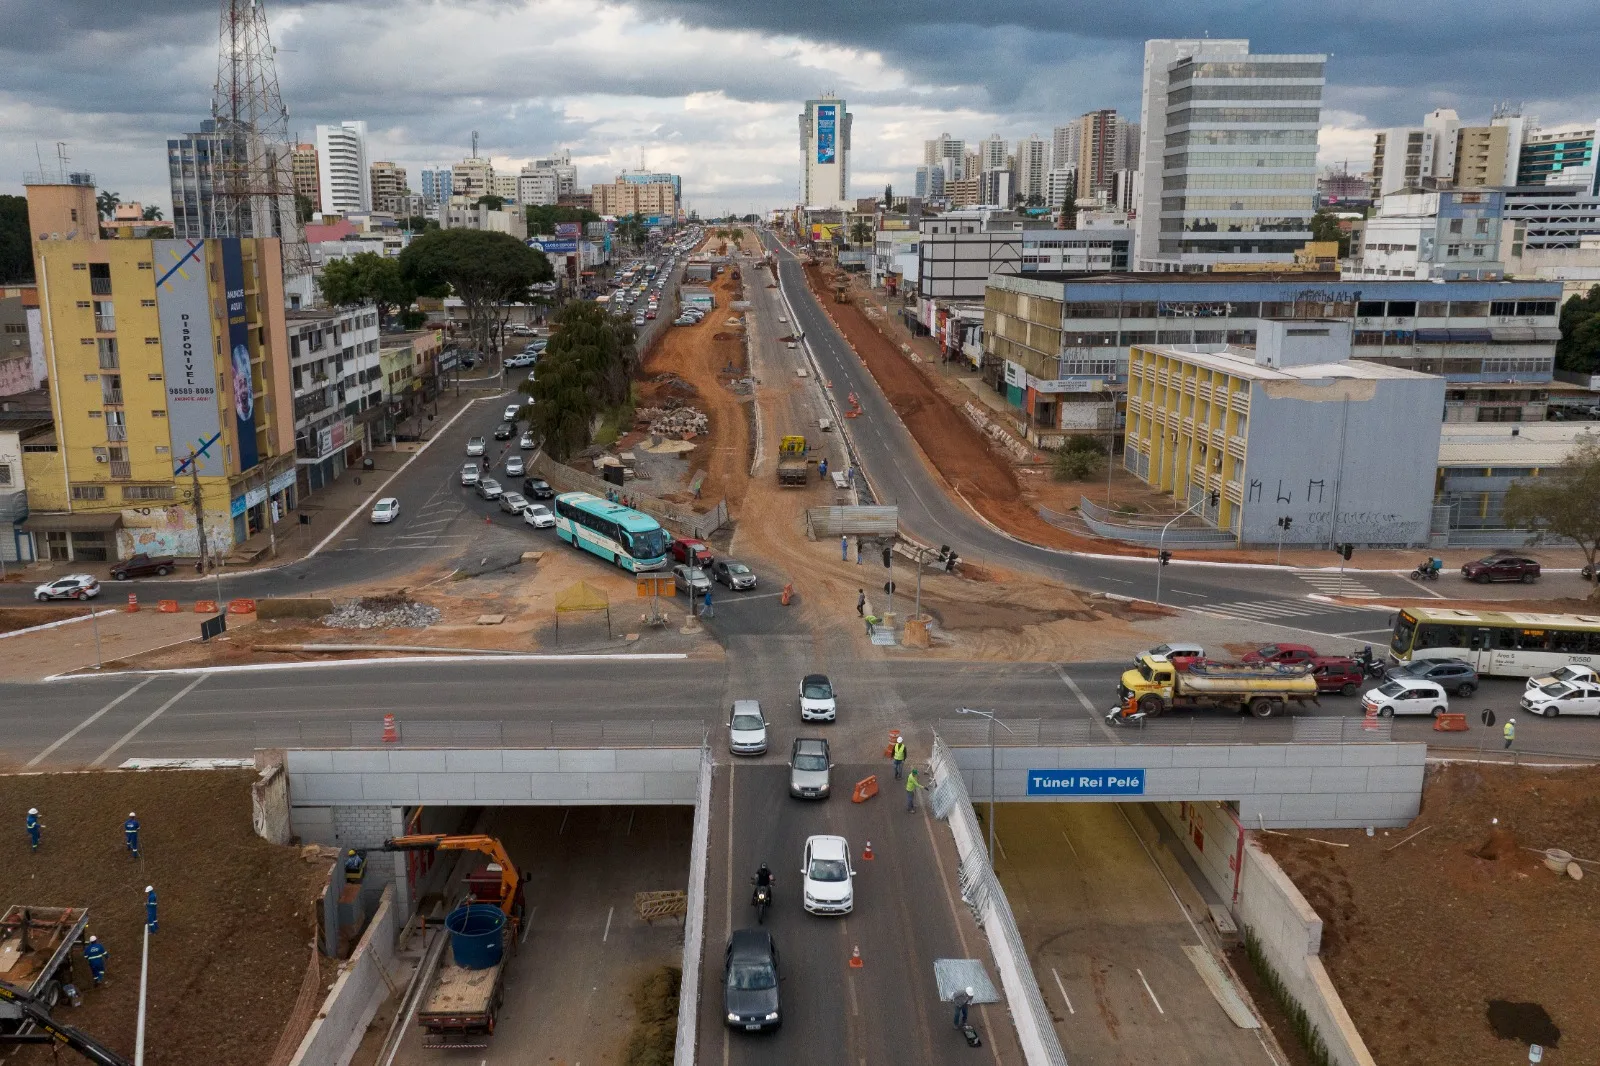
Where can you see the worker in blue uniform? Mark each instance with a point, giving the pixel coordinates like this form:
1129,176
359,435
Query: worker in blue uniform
130,834
34,827
94,953
150,908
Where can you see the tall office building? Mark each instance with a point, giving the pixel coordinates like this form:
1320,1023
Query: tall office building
436,185
1064,141
1127,153
1546,153
1100,133
930,182
560,165
342,168
1061,183
1033,169
388,183
303,165
537,186
825,153
197,164
1228,154
941,148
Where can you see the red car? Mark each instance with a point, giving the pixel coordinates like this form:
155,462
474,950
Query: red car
1502,568
691,551
1293,654
1339,675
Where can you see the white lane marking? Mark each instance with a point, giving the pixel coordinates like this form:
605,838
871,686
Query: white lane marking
1063,989
564,817
1094,715
1069,843
527,925
607,934
1191,595
81,726
395,660
1148,991
152,716
1184,910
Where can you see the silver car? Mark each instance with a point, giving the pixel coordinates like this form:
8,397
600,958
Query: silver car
691,579
809,767
489,488
747,728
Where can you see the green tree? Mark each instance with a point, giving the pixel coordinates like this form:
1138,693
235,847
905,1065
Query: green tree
152,214
1069,210
1579,346
16,246
737,234
106,203
888,197
366,277
419,224
1325,227
486,271
491,201
160,233
542,218
1078,460
587,368
304,207
1564,502
860,232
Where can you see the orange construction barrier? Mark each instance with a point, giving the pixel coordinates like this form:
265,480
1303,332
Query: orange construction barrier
866,788
168,606
894,735
1450,723
855,958
391,732
788,594
241,606
133,603
205,606
866,853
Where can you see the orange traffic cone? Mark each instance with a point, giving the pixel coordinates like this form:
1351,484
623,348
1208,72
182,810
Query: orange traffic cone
391,732
866,853
894,735
855,958
133,603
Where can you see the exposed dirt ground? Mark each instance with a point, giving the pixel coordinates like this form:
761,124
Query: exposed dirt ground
15,618
1418,940
237,913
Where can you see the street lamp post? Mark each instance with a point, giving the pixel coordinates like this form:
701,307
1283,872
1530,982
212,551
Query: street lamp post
1161,545
993,721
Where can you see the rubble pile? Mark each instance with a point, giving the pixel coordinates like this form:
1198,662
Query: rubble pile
677,422
381,612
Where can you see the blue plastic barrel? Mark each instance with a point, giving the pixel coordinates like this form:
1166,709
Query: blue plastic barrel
476,940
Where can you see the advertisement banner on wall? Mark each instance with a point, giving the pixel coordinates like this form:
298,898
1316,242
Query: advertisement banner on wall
1016,374
189,370
827,126
569,230
244,391
549,247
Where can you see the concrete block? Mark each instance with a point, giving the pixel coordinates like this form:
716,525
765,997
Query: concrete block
1258,809
449,788
1405,805
1313,754
1227,782
302,761
1256,754
1362,805
1142,756
461,761
361,761
558,788
530,760
1307,810
1395,779
623,787
685,759
1410,754
1338,779
600,760
1173,783
390,788
330,787
640,759
678,787
1025,759
501,786
297,784
1369,755
1200,755
413,762
1283,779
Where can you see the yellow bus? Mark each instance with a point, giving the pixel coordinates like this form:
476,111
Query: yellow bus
1498,644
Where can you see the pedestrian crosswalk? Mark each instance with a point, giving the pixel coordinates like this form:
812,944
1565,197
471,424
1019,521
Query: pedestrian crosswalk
1331,583
1287,612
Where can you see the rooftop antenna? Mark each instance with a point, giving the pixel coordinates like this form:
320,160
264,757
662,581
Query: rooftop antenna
61,160
474,144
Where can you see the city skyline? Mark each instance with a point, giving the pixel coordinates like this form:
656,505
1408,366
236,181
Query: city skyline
711,94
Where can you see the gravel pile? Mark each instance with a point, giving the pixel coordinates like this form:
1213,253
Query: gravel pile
678,422
367,614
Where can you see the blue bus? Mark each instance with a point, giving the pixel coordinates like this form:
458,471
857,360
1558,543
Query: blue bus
631,539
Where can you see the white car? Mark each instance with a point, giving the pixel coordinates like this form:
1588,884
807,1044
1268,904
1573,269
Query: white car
511,411
829,881
1573,673
71,587
476,445
538,516
818,700
1564,697
526,441
747,728
1404,695
470,474
514,466
386,510
1175,651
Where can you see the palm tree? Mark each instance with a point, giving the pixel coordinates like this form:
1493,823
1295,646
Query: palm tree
860,231
152,214
106,203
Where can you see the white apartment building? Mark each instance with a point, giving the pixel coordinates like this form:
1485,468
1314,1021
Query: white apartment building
825,154
992,153
1059,184
342,173
537,186
1453,235
472,178
1228,159
945,147
338,388
1064,144
1033,167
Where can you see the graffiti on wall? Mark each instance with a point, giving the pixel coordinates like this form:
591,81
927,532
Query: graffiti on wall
170,531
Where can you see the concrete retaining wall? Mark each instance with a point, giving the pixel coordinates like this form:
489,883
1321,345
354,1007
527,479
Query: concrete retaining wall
501,776
269,804
1212,837
694,921
1299,786
363,984
1290,935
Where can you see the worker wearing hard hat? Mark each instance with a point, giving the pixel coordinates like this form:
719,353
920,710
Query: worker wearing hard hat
35,827
130,834
94,953
1509,731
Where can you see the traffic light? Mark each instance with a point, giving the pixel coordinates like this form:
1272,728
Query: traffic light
1165,557
1345,550
886,554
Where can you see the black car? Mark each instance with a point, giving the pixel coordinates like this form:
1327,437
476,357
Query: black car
505,431
733,574
750,981
537,488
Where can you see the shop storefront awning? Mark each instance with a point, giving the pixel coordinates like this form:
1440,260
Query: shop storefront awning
39,522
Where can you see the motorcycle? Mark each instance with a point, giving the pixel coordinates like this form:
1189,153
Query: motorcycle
1370,666
761,899
1428,571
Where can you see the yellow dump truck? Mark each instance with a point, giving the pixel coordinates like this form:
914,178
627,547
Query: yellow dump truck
1157,684
792,468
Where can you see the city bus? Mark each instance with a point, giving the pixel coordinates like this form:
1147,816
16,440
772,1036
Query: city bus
1499,644
631,539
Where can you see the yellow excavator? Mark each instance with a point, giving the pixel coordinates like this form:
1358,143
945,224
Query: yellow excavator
498,883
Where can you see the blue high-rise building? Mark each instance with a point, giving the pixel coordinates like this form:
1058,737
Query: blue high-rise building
436,186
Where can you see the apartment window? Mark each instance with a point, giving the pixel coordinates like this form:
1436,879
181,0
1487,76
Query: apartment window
158,414
116,425
1536,307
1503,308
94,414
148,492
144,266
1468,308
83,305
1433,309
5,473
155,377
147,303
105,317
1455,225
80,266
152,340
100,279
91,377
108,352
1483,225
88,492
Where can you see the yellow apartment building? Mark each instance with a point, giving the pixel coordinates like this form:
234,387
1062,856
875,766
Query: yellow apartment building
168,367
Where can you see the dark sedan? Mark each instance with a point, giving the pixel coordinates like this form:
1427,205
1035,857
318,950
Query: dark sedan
1502,568
1453,675
537,488
750,981
142,565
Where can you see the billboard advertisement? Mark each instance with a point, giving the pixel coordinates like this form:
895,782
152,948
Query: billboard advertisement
244,392
827,130
568,229
189,369
550,247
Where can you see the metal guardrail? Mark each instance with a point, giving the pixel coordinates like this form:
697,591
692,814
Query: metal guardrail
1112,526
564,478
1053,732
411,733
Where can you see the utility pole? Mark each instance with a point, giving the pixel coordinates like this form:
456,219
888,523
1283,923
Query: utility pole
199,511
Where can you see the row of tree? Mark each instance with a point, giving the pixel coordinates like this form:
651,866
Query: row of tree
586,370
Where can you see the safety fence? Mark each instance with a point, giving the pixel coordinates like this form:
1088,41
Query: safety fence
981,891
880,520
1233,729
412,733
694,920
564,478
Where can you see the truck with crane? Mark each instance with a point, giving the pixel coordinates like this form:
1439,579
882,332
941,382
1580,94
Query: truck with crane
460,1007
1155,685
36,945
793,470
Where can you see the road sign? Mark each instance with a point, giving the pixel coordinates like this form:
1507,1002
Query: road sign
1119,782
212,627
1488,718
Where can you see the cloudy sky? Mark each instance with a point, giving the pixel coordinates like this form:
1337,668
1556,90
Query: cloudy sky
710,88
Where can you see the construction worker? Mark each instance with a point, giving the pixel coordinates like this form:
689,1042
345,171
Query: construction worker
844,548
355,867
912,784
130,834
861,603
962,1000
1509,731
94,953
708,612
822,467
899,754
150,921
34,827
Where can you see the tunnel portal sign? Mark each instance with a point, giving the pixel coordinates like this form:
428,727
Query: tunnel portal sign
1086,782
